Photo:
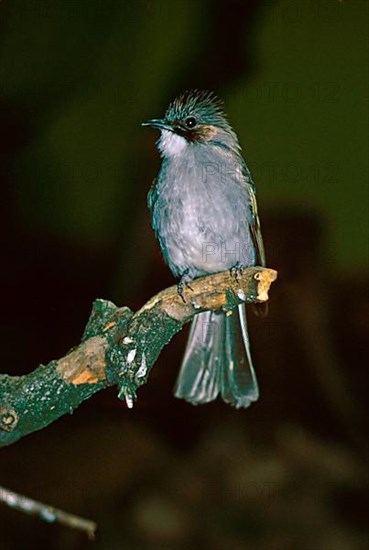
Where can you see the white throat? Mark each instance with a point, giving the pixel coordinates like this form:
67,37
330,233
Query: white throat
171,144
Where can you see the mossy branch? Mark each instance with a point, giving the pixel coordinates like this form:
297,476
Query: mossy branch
119,348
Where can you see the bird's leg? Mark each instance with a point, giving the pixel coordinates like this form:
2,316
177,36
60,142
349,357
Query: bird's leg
236,271
183,283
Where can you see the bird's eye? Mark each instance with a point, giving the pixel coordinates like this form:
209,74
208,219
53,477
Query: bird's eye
190,122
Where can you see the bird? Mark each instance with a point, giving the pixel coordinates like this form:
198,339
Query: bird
205,217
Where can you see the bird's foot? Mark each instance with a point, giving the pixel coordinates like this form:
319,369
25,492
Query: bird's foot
236,271
183,283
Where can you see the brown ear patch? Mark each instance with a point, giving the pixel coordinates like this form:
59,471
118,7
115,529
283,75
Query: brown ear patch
202,133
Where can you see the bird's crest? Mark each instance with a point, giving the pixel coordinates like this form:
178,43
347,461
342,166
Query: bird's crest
196,101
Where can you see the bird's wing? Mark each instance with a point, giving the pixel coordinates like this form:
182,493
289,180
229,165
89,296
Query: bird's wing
260,309
254,222
256,231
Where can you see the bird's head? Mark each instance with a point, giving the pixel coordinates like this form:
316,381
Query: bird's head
194,118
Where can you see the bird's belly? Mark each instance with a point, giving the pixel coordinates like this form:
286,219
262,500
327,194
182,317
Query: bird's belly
202,238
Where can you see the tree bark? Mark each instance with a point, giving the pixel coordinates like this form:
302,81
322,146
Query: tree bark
119,348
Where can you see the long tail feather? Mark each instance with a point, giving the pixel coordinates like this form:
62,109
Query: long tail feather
218,360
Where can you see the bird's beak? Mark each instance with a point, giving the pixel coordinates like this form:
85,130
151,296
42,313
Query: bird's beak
157,123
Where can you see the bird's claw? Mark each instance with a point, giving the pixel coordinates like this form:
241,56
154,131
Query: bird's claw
236,271
183,283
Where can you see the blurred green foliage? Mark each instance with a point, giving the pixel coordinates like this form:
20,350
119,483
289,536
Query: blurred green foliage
305,121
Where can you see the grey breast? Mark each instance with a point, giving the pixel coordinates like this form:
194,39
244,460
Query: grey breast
201,209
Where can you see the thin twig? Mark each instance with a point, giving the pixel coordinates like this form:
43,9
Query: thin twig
46,512
117,347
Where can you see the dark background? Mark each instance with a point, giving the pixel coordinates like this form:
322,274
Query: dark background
76,80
